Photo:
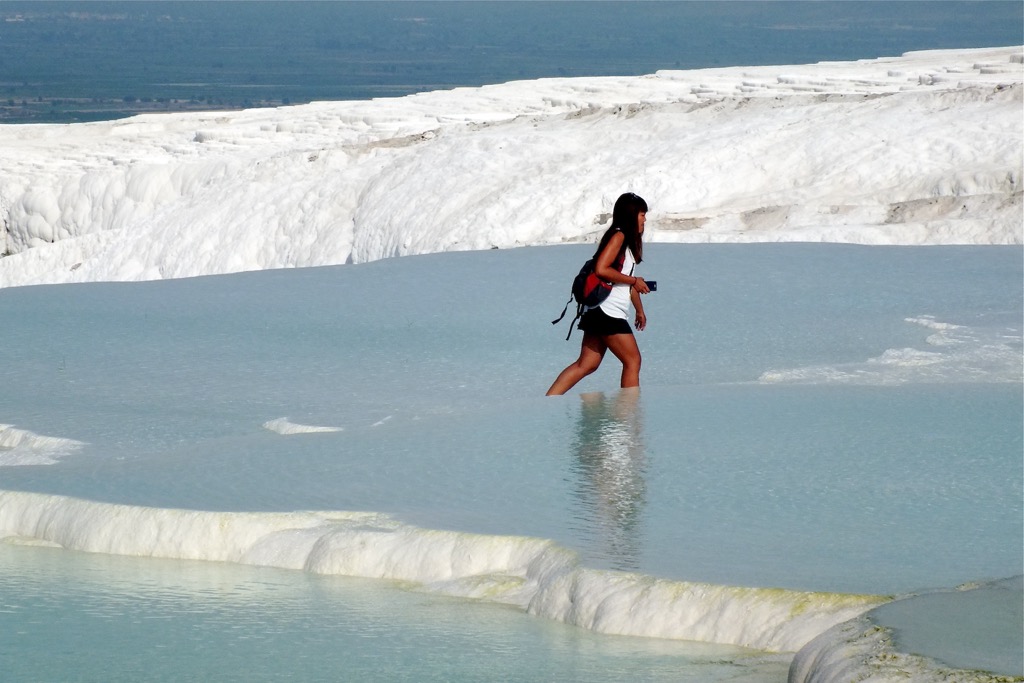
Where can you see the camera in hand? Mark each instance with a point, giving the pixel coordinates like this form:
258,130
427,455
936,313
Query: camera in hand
652,284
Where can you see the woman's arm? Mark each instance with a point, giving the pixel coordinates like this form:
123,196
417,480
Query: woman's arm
603,266
641,317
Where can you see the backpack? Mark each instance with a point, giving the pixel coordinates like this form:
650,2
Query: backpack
588,290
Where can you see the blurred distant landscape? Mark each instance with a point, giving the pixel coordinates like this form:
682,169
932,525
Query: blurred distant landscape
82,61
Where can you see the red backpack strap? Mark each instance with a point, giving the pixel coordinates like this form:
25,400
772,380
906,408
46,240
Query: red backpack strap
620,259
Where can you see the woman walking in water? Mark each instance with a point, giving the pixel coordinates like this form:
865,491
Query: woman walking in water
607,326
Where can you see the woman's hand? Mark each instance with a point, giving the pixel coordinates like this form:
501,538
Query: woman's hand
641,320
640,286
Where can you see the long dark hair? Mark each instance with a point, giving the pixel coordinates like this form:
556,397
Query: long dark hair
625,217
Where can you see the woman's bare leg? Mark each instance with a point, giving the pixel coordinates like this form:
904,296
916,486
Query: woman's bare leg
625,349
591,353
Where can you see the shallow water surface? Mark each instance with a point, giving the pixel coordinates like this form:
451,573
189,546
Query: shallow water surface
853,430
77,616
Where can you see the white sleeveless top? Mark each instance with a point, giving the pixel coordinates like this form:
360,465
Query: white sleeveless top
618,302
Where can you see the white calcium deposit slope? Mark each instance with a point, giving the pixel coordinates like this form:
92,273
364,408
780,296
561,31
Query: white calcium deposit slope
926,148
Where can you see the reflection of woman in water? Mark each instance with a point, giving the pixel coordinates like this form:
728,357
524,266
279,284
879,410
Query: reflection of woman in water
607,326
611,461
